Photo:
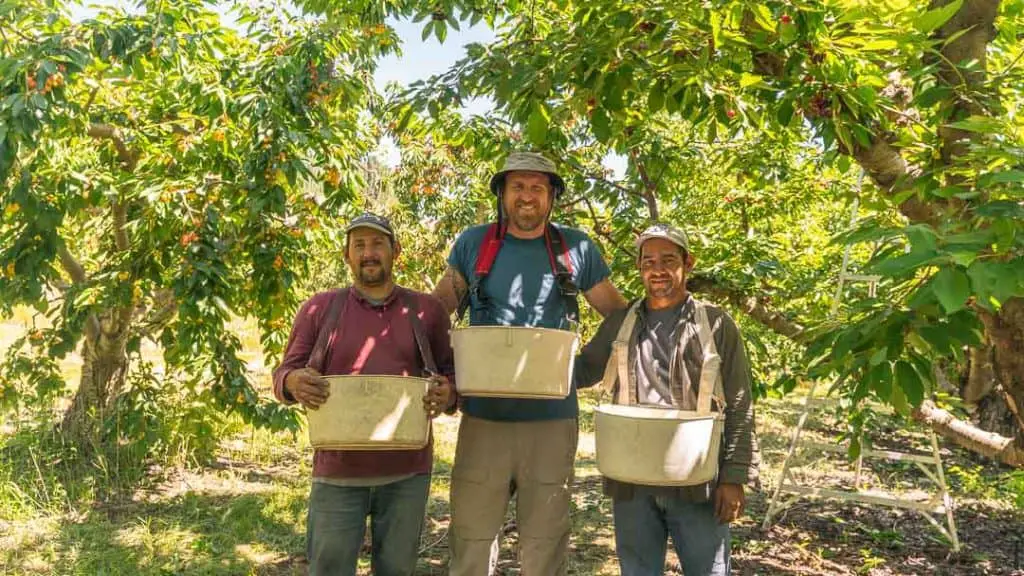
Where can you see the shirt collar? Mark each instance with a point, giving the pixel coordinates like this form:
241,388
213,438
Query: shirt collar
365,302
685,313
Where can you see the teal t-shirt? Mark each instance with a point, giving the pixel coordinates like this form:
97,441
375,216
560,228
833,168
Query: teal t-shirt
521,291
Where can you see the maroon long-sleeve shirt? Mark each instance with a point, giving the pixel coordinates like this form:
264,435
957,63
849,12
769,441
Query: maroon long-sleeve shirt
374,339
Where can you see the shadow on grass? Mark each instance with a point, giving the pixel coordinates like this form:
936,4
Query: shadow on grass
192,533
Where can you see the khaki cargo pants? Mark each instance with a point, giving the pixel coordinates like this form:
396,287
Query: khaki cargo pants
536,458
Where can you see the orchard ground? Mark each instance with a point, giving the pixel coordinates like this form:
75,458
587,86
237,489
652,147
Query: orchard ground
244,513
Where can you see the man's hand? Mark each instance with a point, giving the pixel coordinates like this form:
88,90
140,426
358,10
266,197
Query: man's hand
439,397
308,387
729,501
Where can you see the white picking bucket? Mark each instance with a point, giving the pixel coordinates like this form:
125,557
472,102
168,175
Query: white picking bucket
514,361
365,412
657,446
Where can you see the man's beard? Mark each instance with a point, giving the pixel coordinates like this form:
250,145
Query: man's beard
529,222
376,277
661,290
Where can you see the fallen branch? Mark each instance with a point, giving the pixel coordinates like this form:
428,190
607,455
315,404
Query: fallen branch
969,436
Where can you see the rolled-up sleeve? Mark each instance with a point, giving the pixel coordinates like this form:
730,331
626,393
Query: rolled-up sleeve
300,344
441,343
590,363
741,455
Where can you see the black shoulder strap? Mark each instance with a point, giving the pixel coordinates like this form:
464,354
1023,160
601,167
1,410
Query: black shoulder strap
558,252
422,342
328,332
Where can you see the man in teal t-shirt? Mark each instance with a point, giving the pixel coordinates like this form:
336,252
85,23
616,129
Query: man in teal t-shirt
506,445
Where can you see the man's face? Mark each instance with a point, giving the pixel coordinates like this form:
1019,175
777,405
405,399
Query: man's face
527,199
370,256
663,269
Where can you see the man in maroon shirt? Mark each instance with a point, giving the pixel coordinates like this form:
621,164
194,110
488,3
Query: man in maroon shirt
375,335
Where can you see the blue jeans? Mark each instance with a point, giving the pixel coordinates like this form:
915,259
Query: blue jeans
337,523
642,527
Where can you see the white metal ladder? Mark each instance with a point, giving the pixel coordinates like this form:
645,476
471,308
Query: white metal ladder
941,503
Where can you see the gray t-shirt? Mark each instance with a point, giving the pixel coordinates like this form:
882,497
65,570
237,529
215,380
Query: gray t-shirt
658,334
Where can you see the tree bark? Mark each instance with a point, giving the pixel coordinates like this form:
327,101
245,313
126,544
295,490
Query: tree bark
1001,403
756,307
104,364
969,436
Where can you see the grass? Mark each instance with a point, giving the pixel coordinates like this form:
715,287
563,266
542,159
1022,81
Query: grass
244,513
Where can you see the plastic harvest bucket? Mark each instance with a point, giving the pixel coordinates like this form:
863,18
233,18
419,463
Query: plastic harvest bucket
514,361
371,413
657,446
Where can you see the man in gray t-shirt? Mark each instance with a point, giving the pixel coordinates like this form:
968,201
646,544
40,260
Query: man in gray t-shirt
665,360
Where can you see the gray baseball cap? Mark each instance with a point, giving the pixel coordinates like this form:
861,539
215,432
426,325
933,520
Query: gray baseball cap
666,231
527,162
371,220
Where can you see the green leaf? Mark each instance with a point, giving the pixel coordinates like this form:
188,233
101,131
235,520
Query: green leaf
601,125
953,288
933,19
937,338
879,356
656,98
787,33
904,264
1003,177
996,282
922,237
427,31
910,381
881,379
716,27
979,124
881,45
784,113
747,80
998,209
899,401
537,125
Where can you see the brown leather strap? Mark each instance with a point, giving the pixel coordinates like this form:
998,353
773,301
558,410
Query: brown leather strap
327,334
417,332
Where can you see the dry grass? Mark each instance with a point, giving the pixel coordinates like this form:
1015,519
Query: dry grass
245,513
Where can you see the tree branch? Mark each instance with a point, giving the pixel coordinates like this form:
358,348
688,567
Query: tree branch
77,273
163,310
753,306
970,436
119,213
75,270
962,66
105,131
649,186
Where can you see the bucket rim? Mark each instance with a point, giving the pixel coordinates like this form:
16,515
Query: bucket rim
358,377
655,413
514,329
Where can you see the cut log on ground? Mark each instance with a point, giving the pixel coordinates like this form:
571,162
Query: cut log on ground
990,444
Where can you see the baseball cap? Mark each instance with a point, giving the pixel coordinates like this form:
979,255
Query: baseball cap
666,231
528,162
371,220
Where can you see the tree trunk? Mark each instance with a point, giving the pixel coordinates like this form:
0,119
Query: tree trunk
996,380
104,364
